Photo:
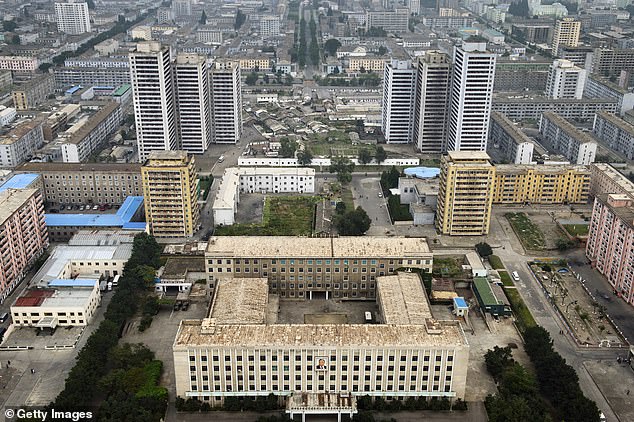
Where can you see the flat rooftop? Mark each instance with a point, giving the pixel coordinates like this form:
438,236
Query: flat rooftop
179,266
458,156
240,301
79,167
339,247
402,299
19,181
192,334
122,218
11,200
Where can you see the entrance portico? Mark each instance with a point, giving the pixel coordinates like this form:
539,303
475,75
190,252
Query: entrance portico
321,404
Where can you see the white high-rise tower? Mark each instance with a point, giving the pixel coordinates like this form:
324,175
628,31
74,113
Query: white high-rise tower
433,86
194,103
397,107
72,17
565,80
151,74
226,94
471,96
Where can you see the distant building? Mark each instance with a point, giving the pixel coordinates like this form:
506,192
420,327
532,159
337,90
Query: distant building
19,144
396,20
615,133
609,246
516,147
19,64
33,93
598,87
532,107
193,102
465,194
566,34
73,17
520,75
170,191
565,80
563,138
611,61
24,236
397,107
269,26
209,34
226,103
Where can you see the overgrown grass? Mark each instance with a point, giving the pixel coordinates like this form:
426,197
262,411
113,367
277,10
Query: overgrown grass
205,185
522,314
576,229
496,262
398,211
447,267
346,197
529,234
506,279
283,216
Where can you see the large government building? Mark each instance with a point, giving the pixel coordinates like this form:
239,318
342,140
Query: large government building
241,350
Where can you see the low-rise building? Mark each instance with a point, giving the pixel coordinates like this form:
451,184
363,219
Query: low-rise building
610,245
607,179
374,64
24,236
541,184
34,92
516,147
615,133
562,137
87,183
18,144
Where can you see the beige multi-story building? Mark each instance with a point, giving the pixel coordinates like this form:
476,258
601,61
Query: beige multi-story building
97,183
607,179
541,184
610,245
355,64
23,235
34,92
170,191
566,34
465,193
255,64
309,268
241,349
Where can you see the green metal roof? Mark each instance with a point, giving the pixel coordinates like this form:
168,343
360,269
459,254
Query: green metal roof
121,90
484,290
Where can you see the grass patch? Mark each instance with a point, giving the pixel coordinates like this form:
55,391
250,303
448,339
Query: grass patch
522,314
576,229
205,185
346,197
529,234
447,267
496,262
506,279
398,211
283,216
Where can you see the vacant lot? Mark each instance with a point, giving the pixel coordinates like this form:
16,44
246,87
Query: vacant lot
447,267
283,216
529,234
576,229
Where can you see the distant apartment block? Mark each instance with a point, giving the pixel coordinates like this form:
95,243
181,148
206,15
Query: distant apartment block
561,137
84,138
607,179
209,34
610,245
193,102
5,79
611,61
396,20
538,33
170,192
541,184
616,133
517,76
66,77
598,87
269,26
24,236
514,145
532,107
87,183
397,107
17,145
355,64
7,115
465,193
73,17
226,103
565,80
34,92
566,34
19,64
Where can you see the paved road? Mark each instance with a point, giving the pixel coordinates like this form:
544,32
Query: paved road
365,191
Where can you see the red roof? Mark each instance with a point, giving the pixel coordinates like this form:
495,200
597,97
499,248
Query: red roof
34,297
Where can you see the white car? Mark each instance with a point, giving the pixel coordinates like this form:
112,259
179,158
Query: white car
95,208
380,194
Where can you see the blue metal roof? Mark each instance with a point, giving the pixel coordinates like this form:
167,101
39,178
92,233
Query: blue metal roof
121,219
460,303
422,172
19,181
73,89
80,282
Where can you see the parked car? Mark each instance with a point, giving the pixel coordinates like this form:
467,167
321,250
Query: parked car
62,207
81,208
95,208
380,194
102,207
109,206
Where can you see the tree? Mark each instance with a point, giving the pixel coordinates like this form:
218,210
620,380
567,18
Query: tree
380,155
563,243
252,78
240,18
498,360
340,208
9,26
90,4
353,223
343,167
389,179
288,147
364,156
15,39
382,50
304,157
484,249
331,46
203,18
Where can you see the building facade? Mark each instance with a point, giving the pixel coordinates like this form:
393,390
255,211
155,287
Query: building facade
611,61
615,133
73,17
529,107
170,192
23,235
597,87
90,183
269,26
607,179
397,108
516,76
20,143
465,193
471,96
396,20
193,100
226,94
514,145
565,80
610,245
431,105
34,92
566,34
561,136
541,184
153,93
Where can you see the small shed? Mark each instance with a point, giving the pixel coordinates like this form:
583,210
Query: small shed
460,307
491,298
